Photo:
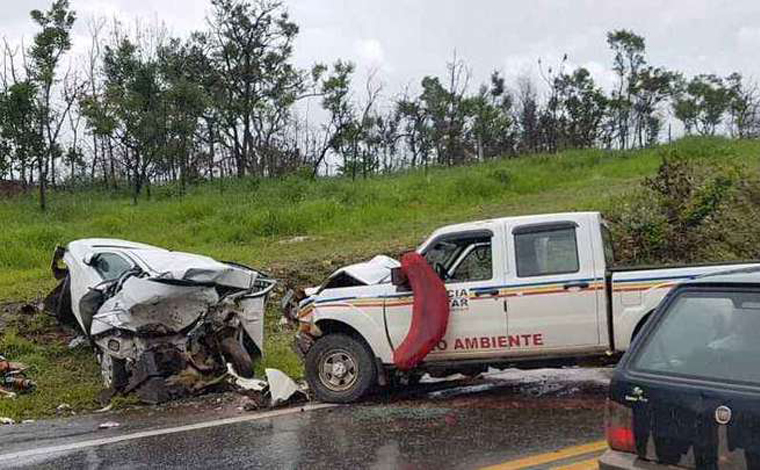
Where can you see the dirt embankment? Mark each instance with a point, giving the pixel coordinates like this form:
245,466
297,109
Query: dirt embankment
10,188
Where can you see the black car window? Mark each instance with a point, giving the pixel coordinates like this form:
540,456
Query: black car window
711,335
111,266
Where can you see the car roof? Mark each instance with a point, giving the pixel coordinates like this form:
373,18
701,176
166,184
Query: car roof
96,243
538,218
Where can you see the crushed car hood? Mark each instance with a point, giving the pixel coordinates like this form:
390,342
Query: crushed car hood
186,267
375,271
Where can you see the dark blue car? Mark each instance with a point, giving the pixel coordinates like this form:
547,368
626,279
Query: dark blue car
687,393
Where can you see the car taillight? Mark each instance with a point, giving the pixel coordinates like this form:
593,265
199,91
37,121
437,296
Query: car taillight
619,427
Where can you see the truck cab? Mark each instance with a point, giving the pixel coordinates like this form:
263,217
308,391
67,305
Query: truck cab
503,277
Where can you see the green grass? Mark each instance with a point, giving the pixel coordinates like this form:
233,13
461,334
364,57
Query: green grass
255,221
62,375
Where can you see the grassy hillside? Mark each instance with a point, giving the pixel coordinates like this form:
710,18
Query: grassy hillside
300,230
257,222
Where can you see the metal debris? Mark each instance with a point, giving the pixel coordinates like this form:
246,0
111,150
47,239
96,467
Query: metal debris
78,341
12,379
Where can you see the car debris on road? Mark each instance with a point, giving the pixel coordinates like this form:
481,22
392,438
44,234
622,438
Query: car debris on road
13,379
164,324
278,385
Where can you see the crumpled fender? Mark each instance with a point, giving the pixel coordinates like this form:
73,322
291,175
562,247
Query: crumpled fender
430,316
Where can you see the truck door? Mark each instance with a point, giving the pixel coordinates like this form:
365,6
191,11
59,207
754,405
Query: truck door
469,262
552,288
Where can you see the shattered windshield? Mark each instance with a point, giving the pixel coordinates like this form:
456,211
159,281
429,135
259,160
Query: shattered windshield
707,335
447,252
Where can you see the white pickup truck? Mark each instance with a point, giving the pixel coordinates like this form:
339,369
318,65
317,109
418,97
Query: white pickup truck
522,291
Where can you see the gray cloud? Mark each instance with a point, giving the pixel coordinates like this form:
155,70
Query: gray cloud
407,39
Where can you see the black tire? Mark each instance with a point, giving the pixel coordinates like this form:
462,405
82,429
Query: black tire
239,358
353,368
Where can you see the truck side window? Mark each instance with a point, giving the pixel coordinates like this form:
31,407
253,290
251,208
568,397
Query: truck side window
477,264
544,252
111,266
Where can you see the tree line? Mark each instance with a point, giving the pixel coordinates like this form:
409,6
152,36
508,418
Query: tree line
146,108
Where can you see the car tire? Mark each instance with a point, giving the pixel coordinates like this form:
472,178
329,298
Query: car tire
340,368
237,355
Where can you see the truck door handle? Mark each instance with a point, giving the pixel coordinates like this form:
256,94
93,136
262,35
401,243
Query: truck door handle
576,285
491,292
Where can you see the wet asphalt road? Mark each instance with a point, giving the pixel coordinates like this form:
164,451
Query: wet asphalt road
467,424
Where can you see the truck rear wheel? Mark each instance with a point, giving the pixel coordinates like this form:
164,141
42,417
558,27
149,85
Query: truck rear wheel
340,368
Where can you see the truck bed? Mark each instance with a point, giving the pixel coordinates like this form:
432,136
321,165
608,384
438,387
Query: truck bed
634,292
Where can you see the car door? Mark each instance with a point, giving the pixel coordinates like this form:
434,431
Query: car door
477,324
552,290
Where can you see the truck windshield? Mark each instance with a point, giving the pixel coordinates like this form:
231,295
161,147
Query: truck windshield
706,334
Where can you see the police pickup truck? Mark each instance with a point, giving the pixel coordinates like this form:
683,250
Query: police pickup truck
522,291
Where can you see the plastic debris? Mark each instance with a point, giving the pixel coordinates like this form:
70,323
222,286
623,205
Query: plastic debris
78,341
246,384
7,421
109,425
105,409
63,407
281,387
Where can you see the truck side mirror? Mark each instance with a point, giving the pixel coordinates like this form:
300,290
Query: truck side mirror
398,278
89,259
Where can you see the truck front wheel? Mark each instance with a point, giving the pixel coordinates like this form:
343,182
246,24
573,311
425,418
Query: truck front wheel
340,368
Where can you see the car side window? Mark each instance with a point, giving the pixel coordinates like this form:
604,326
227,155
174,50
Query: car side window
543,252
111,266
477,265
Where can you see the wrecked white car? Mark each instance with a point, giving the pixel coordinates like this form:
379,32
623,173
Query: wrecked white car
163,323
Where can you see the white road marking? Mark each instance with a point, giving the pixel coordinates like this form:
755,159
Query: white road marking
6,458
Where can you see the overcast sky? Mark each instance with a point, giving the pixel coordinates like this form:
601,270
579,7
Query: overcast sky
407,39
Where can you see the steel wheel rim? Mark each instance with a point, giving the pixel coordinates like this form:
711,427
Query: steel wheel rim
106,369
338,370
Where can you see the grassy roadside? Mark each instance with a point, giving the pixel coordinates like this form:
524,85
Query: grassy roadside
298,230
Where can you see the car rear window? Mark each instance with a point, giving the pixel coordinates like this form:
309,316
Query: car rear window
706,334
